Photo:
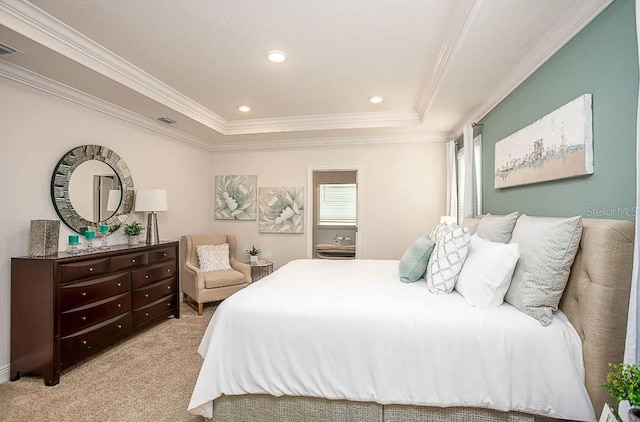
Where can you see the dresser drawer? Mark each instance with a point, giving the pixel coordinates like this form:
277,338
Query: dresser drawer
161,255
153,310
85,342
80,318
151,274
155,291
85,292
128,261
84,269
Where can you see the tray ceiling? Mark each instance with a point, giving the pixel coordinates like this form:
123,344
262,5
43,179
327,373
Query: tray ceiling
438,64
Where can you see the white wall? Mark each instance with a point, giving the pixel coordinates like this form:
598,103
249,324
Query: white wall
402,194
38,129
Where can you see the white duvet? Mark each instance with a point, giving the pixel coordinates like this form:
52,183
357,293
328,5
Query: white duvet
351,330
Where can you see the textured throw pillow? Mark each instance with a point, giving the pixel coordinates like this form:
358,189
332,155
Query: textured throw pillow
440,230
497,229
487,271
414,261
447,259
548,247
213,257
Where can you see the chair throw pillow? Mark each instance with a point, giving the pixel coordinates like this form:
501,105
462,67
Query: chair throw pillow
487,271
413,263
548,247
497,228
213,257
447,259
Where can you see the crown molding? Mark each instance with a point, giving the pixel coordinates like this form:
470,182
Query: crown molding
32,22
41,83
448,51
543,51
330,142
57,89
324,122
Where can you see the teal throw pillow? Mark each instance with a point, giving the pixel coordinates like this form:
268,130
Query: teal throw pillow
413,263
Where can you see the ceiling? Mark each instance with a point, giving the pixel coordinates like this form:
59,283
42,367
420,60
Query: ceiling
438,64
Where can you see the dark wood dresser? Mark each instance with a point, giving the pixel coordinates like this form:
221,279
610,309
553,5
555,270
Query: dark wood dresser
67,307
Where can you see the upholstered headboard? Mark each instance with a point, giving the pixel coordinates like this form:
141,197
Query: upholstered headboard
596,299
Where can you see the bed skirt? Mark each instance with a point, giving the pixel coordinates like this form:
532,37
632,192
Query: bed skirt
265,408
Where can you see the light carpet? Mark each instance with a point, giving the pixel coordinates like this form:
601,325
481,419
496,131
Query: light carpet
148,377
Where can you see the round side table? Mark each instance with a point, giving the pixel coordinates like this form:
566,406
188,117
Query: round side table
260,269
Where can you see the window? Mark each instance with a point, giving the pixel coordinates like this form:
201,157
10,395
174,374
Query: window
337,204
477,152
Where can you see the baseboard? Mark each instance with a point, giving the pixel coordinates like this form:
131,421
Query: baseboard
4,374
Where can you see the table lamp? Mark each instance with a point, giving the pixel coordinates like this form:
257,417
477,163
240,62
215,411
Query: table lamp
151,201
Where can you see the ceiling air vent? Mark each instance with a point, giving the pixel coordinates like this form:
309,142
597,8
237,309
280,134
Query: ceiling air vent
6,49
166,120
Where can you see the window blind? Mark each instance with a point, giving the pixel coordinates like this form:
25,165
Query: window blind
337,204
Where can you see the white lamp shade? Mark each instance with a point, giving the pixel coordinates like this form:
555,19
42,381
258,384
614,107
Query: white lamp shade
113,202
151,200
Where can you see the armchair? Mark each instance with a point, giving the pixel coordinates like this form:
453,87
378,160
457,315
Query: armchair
200,287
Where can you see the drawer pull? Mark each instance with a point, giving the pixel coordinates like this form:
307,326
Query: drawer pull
164,254
133,261
119,284
168,270
146,276
84,318
84,342
146,314
119,305
119,325
90,269
83,293
147,295
168,287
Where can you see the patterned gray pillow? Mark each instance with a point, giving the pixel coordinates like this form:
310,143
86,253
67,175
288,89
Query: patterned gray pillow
447,259
497,229
213,257
548,247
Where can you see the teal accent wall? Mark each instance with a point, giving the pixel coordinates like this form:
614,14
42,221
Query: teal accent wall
601,60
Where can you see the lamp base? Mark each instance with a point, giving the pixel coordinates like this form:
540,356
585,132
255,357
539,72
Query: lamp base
152,229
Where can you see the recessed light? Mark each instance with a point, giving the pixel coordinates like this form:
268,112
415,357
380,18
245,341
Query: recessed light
376,99
276,56
244,108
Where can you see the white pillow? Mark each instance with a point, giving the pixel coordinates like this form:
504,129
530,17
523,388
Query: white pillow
447,258
487,271
213,257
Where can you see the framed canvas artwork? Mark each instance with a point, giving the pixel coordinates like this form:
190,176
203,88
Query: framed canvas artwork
235,197
558,146
281,210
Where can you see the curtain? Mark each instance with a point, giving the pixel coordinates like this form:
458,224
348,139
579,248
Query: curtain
631,345
452,183
470,179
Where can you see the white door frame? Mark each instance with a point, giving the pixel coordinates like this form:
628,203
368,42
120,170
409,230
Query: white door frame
310,205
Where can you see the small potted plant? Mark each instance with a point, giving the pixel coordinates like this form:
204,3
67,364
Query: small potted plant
132,231
623,384
253,254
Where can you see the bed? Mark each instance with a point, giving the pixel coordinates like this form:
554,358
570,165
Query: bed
243,379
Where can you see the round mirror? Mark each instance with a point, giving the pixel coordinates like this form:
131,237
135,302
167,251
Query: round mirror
91,186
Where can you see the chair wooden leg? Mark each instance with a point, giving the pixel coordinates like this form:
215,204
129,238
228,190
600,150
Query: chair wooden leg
192,304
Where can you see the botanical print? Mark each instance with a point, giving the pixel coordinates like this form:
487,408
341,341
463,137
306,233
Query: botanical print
557,146
281,210
235,197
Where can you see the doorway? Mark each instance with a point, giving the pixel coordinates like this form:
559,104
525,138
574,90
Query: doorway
334,198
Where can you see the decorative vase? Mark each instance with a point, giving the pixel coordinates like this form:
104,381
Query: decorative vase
133,240
634,415
253,259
